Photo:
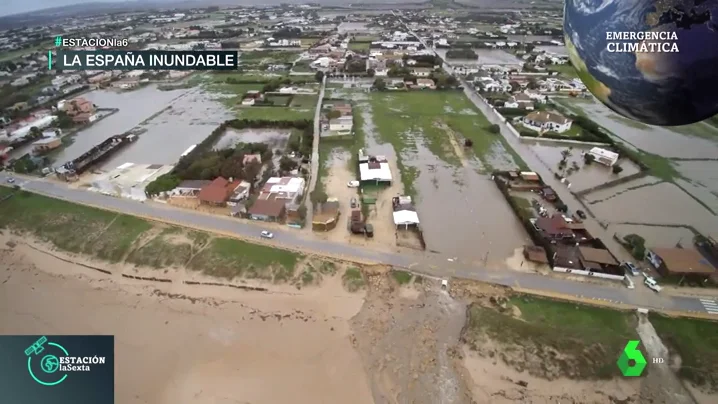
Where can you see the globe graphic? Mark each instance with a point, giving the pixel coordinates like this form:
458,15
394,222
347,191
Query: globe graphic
658,88
50,364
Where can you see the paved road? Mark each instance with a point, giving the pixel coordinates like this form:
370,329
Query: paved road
429,264
315,152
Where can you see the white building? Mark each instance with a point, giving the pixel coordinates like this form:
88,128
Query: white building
373,168
129,180
543,121
342,124
603,156
289,189
40,123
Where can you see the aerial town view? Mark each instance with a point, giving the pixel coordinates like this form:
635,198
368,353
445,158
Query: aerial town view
420,201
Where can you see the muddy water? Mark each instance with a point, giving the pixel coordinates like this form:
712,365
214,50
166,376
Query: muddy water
177,120
462,213
662,141
587,176
558,50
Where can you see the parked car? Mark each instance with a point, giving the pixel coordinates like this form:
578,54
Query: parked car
266,234
581,214
354,203
11,180
353,184
631,268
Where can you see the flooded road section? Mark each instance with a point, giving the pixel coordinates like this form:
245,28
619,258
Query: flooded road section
174,120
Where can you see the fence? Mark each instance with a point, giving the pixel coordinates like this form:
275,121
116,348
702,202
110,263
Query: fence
588,273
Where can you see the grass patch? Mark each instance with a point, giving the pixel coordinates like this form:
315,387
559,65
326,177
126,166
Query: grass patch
566,70
174,246
15,54
712,121
402,277
359,46
588,339
230,258
525,206
71,227
353,279
696,341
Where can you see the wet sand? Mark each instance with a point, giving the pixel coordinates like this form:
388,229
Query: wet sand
227,347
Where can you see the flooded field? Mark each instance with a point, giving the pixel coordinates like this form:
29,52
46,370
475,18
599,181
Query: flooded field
697,141
686,190
462,213
558,50
662,203
174,121
275,138
581,175
656,236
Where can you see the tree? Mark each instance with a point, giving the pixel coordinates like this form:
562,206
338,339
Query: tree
319,76
380,84
494,128
617,169
532,84
231,167
287,164
371,72
251,171
318,197
334,114
302,212
163,183
588,158
636,244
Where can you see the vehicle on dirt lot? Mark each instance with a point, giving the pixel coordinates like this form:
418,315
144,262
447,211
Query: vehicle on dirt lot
353,184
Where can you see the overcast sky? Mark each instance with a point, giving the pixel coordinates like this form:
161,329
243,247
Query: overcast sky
20,6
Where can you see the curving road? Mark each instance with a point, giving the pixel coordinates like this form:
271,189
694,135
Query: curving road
429,264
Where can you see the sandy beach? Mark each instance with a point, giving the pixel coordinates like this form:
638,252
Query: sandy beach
215,345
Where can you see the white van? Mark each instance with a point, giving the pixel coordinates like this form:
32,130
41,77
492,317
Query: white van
652,284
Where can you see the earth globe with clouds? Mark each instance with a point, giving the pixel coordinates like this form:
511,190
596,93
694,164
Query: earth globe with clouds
660,88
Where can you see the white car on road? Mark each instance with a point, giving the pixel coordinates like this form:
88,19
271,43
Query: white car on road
651,283
353,184
266,234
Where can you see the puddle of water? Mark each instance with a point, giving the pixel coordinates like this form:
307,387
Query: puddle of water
586,176
191,118
274,138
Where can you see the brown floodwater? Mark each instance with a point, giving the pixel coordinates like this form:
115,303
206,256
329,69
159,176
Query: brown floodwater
581,175
174,120
667,142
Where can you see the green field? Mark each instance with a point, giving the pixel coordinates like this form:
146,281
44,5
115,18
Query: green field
359,46
11,55
588,339
566,70
117,237
434,116
696,341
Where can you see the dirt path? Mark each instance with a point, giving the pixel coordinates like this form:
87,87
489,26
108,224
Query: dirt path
407,339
